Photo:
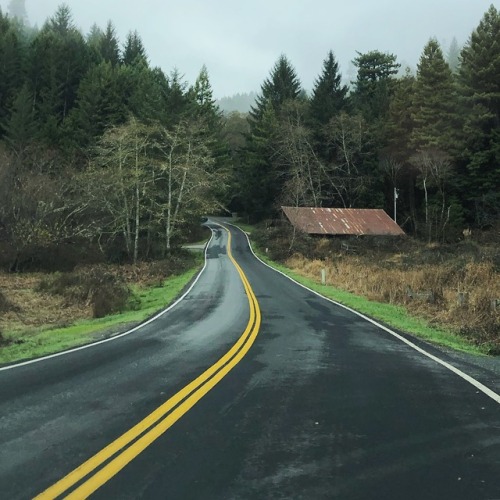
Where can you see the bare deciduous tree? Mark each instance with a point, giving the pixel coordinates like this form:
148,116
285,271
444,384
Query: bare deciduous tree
347,136
296,160
434,170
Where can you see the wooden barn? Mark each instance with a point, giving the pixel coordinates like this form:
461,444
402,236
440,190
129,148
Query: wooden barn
342,221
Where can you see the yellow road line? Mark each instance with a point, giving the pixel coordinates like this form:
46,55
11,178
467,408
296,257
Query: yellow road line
189,396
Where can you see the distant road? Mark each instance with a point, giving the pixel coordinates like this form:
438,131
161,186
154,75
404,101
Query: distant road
251,387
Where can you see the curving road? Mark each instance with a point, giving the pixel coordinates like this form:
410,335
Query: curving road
251,387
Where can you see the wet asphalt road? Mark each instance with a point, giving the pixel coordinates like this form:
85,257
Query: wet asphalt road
324,405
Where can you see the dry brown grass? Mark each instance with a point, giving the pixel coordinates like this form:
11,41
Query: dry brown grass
35,309
32,306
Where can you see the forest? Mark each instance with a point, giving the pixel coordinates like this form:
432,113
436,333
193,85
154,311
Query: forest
104,157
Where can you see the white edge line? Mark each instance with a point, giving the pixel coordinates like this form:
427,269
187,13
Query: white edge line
124,334
478,385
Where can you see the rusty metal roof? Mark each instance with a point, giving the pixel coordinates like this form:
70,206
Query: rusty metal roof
343,221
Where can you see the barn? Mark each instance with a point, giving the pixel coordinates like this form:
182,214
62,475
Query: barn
342,221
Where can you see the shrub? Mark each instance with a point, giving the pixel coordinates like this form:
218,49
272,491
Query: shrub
104,291
4,303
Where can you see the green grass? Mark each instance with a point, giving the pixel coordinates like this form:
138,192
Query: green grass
146,302
391,315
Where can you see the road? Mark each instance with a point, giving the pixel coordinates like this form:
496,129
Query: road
251,387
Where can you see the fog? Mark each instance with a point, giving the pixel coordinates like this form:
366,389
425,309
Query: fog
240,42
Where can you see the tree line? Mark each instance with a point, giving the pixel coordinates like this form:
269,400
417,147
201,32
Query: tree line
97,148
432,139
101,152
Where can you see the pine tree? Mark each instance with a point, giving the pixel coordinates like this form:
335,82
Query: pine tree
59,60
374,84
176,102
62,21
434,138
479,77
328,99
12,66
99,105
329,95
260,184
134,51
263,182
203,109
108,45
435,101
21,127
282,85
203,102
453,56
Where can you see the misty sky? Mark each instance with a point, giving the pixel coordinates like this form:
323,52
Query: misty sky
240,41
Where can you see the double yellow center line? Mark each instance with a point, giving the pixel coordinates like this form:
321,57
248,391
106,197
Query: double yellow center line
100,468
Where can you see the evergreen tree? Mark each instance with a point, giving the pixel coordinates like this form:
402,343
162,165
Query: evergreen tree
434,139
327,101
62,21
108,45
21,127
93,40
59,60
201,92
99,105
479,77
374,84
176,99
263,182
400,121
395,167
203,102
435,101
12,66
260,183
453,56
134,51
329,95
203,108
282,85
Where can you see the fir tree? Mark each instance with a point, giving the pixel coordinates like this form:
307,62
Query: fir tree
108,45
329,95
62,21
202,100
12,66
434,102
282,85
21,127
176,99
59,60
134,51
479,77
374,84
99,105
453,56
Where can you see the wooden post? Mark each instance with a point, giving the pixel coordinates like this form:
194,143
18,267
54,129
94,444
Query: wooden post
462,298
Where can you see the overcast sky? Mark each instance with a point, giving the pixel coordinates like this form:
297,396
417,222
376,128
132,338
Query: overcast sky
239,41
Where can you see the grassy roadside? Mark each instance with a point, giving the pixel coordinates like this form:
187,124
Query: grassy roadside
146,302
392,315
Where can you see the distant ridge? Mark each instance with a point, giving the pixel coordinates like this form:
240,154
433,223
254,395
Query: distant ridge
240,103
